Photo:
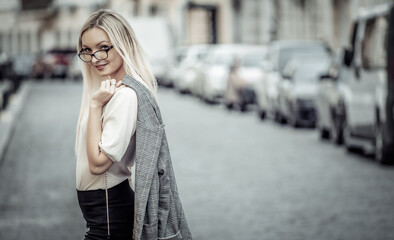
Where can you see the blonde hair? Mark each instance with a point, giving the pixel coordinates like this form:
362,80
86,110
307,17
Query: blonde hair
123,39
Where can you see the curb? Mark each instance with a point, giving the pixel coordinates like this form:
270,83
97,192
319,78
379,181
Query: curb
9,117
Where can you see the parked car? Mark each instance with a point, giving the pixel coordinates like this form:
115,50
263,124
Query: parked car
40,68
278,54
211,76
297,90
53,63
368,103
5,66
74,70
185,73
23,65
245,74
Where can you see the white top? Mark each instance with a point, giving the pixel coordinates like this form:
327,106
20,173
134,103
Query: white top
119,120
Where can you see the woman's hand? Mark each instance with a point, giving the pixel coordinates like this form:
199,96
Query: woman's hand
104,93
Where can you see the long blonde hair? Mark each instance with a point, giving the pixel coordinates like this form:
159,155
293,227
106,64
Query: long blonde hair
123,39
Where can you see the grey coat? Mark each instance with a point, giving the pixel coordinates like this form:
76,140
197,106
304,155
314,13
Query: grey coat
158,212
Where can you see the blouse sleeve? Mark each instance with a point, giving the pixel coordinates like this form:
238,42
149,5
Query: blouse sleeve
119,123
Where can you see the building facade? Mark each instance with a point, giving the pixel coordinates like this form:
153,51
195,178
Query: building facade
28,29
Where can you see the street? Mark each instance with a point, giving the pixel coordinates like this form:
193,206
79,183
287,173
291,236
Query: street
238,177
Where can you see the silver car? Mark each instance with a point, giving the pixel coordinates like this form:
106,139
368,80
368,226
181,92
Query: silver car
184,74
369,100
298,88
278,54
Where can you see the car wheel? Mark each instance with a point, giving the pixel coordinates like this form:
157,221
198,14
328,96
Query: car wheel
381,153
280,118
336,132
243,107
324,134
262,114
230,106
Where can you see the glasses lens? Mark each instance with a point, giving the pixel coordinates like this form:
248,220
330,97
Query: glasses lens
101,55
85,57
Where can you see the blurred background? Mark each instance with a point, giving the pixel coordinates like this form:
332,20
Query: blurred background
279,114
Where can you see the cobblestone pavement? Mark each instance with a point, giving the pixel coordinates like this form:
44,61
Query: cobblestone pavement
238,177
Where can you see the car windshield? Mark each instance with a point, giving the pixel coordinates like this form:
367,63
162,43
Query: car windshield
221,58
307,72
253,60
288,53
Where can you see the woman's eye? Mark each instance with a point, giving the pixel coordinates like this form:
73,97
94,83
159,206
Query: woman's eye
104,47
86,50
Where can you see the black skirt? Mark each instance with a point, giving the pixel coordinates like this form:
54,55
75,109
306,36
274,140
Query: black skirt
121,212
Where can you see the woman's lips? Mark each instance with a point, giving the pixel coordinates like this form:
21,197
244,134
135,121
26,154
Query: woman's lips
100,67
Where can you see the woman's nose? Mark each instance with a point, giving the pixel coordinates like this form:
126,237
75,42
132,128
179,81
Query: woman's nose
94,60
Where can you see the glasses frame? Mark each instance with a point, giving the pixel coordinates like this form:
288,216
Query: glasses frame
93,54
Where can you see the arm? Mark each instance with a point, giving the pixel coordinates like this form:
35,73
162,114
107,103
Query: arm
98,161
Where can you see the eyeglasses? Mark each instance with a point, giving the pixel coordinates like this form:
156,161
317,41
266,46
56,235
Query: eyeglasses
99,55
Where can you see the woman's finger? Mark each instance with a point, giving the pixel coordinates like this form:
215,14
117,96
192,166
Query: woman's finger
112,87
102,87
107,85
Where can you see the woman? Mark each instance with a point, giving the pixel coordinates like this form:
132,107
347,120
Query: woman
234,85
119,126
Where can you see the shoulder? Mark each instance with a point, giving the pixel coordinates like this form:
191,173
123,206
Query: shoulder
123,99
124,94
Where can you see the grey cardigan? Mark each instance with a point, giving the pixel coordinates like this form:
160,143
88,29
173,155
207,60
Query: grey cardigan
158,212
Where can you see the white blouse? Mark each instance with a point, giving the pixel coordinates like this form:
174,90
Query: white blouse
119,120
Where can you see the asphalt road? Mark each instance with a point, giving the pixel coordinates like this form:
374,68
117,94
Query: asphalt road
238,177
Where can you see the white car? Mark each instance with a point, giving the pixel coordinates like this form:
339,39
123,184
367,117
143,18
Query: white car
212,75
185,74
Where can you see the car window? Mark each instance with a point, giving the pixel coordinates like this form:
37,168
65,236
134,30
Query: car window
221,58
288,53
374,44
253,60
310,71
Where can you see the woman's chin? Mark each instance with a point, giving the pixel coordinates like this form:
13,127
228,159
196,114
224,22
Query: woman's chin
103,73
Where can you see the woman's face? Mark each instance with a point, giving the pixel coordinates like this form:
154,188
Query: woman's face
96,39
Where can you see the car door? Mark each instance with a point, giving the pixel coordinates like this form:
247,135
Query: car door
361,100
372,73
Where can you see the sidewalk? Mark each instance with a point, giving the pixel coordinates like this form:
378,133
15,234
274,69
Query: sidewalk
9,116
37,172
